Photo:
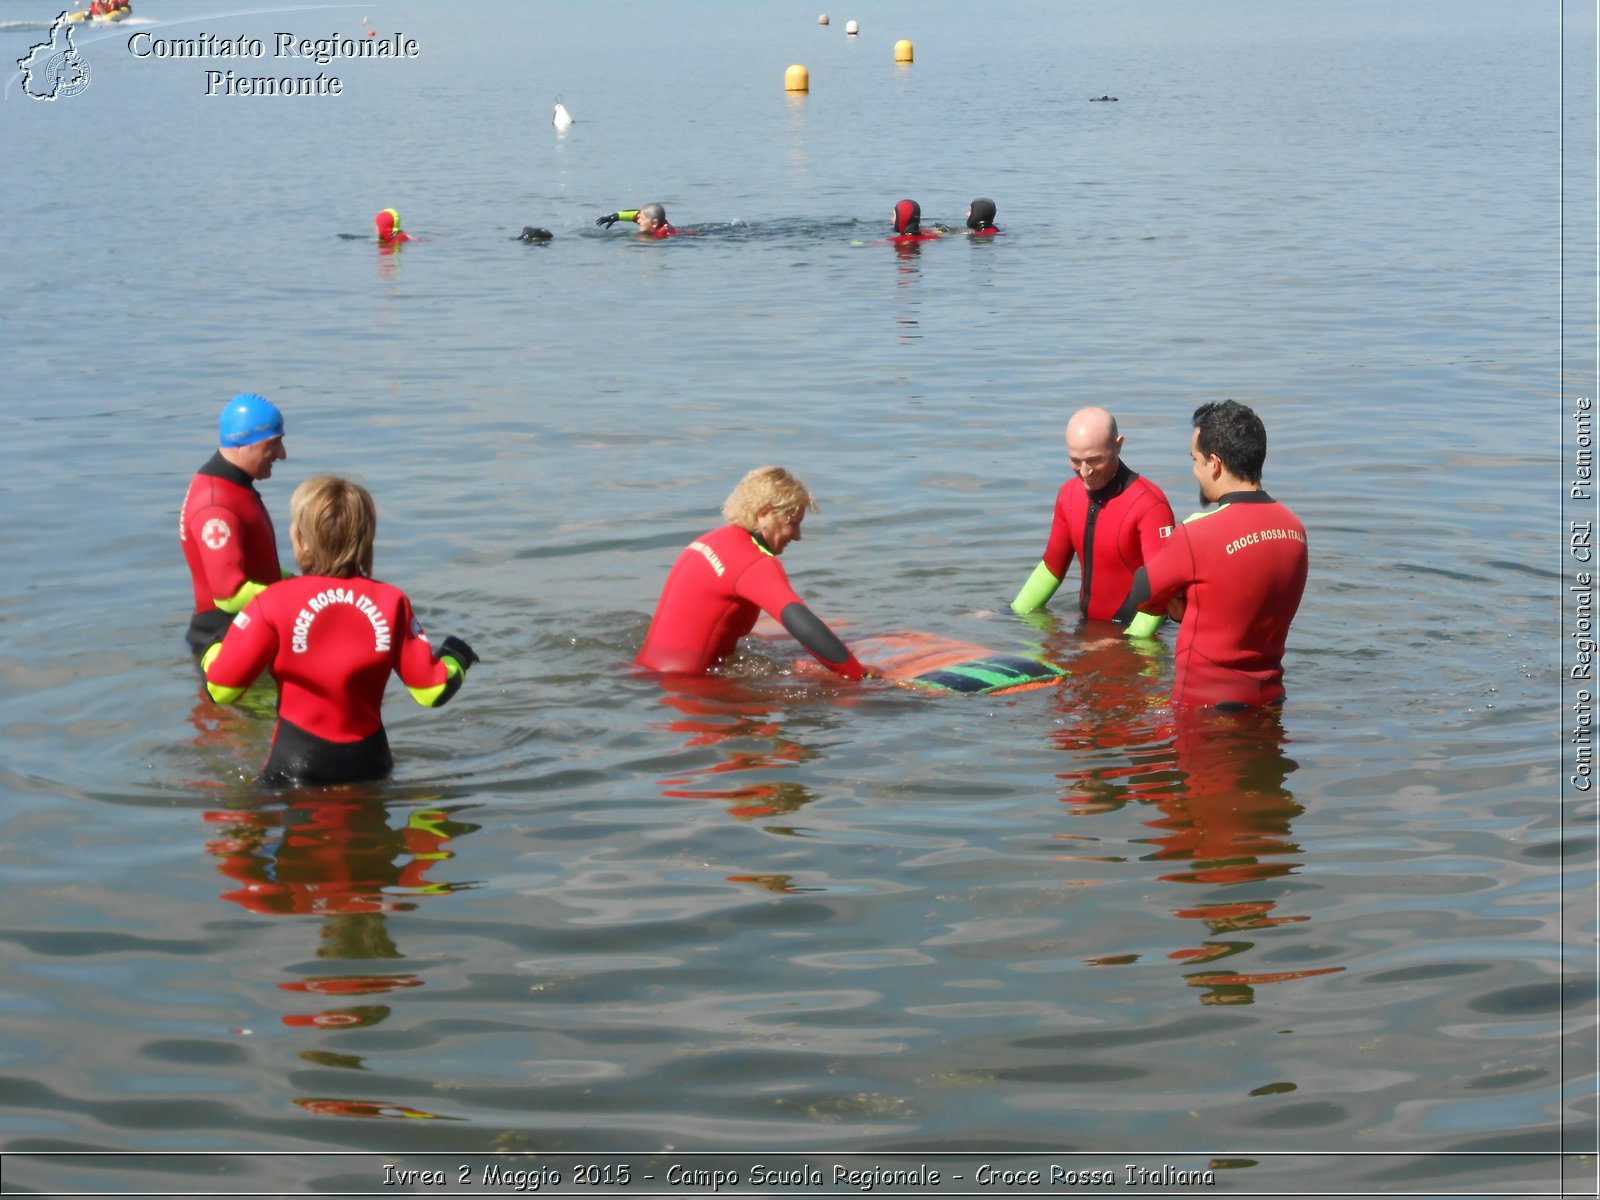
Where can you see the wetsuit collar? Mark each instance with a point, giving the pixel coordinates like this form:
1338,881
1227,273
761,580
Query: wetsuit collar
760,542
223,469
1254,496
1119,481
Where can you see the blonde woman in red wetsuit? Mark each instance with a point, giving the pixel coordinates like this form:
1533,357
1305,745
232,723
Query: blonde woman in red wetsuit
727,577
331,637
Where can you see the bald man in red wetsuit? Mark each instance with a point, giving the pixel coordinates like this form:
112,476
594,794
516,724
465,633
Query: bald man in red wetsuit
1109,518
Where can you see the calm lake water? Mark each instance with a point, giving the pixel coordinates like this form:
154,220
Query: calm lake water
1348,950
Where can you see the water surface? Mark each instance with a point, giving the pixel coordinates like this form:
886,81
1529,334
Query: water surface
773,913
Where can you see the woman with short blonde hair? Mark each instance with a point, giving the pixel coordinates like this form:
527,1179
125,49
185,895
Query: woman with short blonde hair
332,525
729,576
766,487
331,638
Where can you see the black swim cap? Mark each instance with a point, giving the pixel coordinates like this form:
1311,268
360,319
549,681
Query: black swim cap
530,234
908,217
981,214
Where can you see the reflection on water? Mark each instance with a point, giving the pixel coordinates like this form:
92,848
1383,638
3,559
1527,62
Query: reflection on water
1219,781
335,855
737,720
1229,817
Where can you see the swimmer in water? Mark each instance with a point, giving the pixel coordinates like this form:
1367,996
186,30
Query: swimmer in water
331,637
980,218
908,225
389,231
531,233
651,220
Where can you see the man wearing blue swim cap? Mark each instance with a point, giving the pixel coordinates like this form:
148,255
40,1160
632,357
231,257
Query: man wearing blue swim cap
227,536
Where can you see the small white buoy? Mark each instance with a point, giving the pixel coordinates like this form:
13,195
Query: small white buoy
851,29
562,118
823,19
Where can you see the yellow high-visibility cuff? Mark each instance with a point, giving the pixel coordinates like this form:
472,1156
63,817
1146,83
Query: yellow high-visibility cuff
1145,625
432,697
236,603
1041,585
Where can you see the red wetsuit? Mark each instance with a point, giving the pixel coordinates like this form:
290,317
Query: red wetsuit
331,645
715,591
1126,524
228,541
1242,569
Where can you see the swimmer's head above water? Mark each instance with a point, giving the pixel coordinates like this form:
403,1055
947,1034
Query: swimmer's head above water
650,218
980,215
388,226
908,217
532,233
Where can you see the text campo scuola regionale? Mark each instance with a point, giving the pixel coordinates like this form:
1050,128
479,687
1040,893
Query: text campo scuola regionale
714,1180
208,47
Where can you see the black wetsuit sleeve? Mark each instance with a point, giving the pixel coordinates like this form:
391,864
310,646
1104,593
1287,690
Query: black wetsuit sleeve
808,629
1138,593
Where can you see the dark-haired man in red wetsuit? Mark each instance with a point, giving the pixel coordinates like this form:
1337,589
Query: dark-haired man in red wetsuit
1237,573
227,537
1109,518
727,577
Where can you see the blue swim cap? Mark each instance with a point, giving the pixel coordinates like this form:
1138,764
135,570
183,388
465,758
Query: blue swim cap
248,419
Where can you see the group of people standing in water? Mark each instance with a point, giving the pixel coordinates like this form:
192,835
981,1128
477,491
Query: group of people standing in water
651,222
331,636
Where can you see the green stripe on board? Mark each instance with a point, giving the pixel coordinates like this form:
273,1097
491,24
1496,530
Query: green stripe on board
988,674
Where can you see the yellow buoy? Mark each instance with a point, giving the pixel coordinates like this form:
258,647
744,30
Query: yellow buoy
902,51
797,79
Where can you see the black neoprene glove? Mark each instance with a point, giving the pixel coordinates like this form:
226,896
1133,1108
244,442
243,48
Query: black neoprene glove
607,221
458,650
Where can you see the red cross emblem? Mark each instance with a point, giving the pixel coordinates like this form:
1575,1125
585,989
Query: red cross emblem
216,533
